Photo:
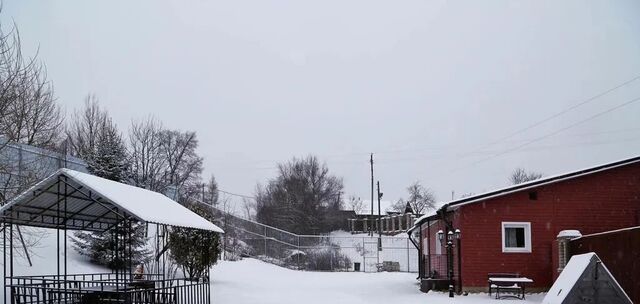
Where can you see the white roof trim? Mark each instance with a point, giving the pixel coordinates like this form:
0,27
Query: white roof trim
537,183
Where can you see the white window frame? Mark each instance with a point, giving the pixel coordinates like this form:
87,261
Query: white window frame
527,237
438,245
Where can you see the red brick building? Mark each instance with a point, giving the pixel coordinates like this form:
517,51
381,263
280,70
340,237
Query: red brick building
514,230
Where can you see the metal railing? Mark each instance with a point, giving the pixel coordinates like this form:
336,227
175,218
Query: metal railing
435,266
106,288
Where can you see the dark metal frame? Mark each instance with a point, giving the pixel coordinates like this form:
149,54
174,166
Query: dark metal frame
427,272
117,286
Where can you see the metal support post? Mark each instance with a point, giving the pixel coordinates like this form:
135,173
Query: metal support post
450,266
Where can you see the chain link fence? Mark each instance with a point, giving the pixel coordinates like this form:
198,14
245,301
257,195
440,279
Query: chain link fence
337,251
22,165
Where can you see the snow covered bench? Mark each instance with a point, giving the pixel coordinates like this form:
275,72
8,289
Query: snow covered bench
508,282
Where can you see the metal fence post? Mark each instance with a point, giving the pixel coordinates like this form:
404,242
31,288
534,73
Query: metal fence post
408,257
331,259
299,251
364,260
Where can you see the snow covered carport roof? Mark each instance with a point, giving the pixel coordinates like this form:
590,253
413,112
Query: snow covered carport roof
79,201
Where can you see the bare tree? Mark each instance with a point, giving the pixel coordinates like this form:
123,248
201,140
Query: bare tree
183,164
520,175
161,157
303,198
85,128
29,113
355,203
398,206
420,199
249,208
465,195
146,157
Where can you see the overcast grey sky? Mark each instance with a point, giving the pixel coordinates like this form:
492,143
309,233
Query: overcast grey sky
426,85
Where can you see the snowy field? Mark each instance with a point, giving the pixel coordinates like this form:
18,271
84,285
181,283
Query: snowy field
251,281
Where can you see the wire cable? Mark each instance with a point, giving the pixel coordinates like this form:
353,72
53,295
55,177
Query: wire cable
564,111
609,110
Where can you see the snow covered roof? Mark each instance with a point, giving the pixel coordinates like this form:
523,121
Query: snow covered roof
569,234
80,201
533,184
418,222
568,277
579,276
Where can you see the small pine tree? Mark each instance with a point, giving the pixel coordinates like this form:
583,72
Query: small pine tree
99,247
194,250
108,159
212,195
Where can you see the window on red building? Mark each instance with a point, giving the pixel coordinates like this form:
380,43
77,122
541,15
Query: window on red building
516,237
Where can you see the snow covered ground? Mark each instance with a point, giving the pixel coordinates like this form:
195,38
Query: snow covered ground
43,257
251,281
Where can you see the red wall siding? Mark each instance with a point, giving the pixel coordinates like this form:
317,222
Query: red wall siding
593,203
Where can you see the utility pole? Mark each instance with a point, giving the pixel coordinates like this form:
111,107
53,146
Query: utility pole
371,229
379,220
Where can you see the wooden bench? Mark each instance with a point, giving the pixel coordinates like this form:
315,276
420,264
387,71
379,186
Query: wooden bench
388,266
508,282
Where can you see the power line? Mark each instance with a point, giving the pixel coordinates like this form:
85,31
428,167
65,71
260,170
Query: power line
520,131
573,107
490,152
239,195
439,152
609,110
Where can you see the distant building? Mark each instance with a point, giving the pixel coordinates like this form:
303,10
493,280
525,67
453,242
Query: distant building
515,229
362,221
